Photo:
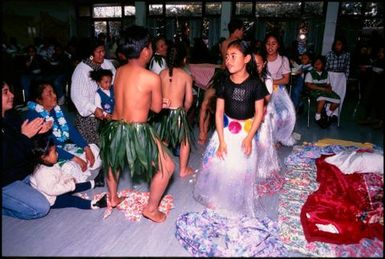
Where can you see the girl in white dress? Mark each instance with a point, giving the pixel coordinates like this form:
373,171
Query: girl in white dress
226,180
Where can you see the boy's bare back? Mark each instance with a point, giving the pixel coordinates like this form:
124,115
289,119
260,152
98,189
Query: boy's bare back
179,90
137,90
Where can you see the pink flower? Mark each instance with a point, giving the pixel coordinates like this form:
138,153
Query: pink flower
235,127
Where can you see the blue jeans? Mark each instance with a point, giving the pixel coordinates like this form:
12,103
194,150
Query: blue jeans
296,91
22,201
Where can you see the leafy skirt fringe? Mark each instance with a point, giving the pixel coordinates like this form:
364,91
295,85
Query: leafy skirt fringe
173,127
134,144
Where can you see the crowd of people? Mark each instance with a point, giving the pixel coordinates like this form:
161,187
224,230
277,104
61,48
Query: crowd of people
132,112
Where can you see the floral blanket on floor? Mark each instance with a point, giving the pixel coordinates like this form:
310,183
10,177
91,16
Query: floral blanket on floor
300,181
209,234
134,203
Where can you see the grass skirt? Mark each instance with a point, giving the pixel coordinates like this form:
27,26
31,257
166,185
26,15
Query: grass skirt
132,144
227,185
173,127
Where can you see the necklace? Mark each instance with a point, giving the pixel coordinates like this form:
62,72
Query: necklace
60,128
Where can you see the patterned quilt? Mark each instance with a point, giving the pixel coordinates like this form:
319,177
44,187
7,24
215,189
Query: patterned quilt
300,181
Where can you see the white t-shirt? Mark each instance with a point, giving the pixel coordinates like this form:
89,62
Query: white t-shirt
278,67
156,67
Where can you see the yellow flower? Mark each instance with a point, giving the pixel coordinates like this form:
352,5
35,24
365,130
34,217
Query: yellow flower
247,125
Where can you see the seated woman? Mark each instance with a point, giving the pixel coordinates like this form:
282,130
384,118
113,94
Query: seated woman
81,159
19,199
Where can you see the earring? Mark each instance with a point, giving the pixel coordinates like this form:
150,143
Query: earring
91,57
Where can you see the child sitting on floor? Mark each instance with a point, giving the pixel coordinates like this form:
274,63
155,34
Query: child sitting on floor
58,187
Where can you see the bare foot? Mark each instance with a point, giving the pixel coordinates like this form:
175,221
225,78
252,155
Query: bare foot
155,216
188,171
116,203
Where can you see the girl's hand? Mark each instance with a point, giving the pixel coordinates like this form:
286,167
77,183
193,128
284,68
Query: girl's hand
222,150
31,128
89,155
246,146
81,162
108,116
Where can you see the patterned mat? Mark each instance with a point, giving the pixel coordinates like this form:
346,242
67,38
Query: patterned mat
133,204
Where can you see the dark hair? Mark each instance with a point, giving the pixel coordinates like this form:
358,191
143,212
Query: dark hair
320,58
235,24
175,58
37,88
265,72
40,147
343,41
94,44
136,38
309,54
244,47
97,75
276,37
3,83
155,41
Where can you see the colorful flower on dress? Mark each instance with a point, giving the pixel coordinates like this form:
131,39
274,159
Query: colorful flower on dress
225,121
247,125
235,127
60,128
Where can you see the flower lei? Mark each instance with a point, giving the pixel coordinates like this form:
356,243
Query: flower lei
61,131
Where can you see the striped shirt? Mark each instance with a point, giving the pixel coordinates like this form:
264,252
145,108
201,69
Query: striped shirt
338,63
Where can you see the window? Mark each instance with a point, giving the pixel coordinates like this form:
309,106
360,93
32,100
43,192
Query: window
243,8
184,9
129,10
155,9
107,11
313,8
213,8
351,8
374,9
278,9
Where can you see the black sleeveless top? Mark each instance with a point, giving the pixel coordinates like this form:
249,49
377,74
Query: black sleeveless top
240,98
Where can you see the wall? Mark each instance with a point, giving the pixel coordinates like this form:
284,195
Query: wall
25,20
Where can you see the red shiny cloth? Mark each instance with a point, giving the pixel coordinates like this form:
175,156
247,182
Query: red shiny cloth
339,201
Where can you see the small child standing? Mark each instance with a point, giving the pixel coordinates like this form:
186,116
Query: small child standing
104,97
318,84
58,187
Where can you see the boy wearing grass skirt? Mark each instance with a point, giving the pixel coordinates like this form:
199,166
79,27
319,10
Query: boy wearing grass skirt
127,139
173,127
